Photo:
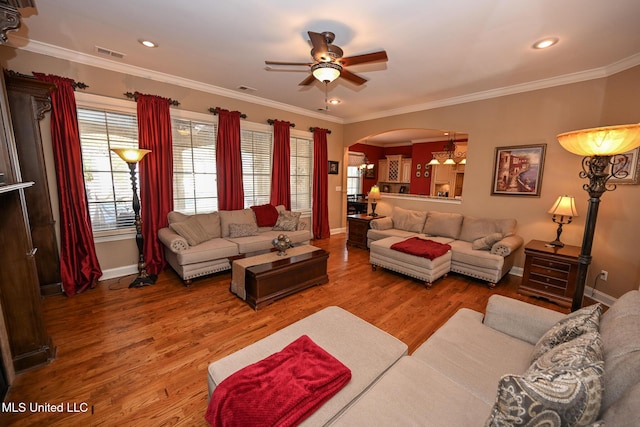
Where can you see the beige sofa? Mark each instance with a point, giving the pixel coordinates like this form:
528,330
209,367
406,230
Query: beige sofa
483,248
202,244
516,361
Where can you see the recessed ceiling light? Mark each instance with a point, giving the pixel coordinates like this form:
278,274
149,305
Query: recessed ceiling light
334,101
545,43
147,43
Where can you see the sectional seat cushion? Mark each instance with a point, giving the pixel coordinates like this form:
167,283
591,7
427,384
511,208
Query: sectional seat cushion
470,353
262,241
208,250
241,216
463,253
445,224
408,220
413,393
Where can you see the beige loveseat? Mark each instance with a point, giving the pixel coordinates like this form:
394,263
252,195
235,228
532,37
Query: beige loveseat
484,248
201,244
516,362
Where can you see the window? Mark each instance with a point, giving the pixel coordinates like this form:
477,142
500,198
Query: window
301,172
257,149
106,176
107,123
354,174
194,166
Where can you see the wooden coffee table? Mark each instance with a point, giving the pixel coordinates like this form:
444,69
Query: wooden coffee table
282,276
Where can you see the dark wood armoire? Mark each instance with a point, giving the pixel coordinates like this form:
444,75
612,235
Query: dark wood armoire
24,341
29,99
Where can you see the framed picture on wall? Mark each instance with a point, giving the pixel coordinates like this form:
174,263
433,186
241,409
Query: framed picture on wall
517,170
631,166
333,167
370,173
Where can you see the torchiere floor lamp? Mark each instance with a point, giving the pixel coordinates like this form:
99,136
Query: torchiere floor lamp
599,146
132,156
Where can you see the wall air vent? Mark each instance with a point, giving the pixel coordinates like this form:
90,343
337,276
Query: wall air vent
109,52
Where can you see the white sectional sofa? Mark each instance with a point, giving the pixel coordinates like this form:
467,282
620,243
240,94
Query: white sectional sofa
201,244
516,362
484,248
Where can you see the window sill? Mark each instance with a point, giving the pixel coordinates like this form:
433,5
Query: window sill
114,235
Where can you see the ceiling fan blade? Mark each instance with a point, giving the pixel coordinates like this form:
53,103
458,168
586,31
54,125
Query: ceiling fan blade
353,78
308,64
306,82
362,59
320,48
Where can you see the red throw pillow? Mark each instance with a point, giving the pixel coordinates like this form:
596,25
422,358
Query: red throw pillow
266,215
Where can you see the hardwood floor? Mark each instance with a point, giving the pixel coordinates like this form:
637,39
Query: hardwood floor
139,356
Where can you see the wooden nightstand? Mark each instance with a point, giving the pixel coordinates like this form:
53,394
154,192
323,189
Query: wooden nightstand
550,272
358,226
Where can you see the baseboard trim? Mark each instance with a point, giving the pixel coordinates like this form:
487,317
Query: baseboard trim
338,230
112,273
601,297
517,271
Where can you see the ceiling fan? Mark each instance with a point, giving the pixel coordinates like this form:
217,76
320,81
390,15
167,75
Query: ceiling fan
328,62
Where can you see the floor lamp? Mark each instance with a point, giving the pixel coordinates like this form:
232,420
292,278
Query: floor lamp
599,146
132,156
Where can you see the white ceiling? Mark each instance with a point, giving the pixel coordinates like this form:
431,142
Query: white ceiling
440,52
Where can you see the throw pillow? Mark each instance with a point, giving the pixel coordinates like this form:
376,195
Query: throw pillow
573,325
191,230
556,397
578,352
242,230
485,243
266,215
287,221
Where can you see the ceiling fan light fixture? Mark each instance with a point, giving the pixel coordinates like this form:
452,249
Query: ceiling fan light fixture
326,72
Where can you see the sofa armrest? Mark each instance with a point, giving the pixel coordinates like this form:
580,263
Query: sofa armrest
385,223
507,245
172,240
519,319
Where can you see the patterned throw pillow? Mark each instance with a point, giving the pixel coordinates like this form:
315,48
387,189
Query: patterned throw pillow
287,221
573,325
563,387
191,229
242,230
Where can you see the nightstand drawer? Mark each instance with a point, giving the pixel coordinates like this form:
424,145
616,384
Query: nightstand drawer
550,264
548,284
550,272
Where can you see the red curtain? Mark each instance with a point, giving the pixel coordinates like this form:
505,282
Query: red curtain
156,175
229,161
79,266
281,171
320,185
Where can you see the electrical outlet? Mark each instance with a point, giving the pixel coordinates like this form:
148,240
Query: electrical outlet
604,275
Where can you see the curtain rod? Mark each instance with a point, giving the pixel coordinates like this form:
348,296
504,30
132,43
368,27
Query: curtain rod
75,85
134,96
214,111
271,122
313,129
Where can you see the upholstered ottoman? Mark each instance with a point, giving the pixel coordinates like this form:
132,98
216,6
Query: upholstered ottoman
381,255
366,350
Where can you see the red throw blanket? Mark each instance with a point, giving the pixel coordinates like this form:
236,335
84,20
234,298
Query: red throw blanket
280,390
422,247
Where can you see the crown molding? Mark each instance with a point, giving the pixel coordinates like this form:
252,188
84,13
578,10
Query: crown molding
581,76
107,64
74,56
